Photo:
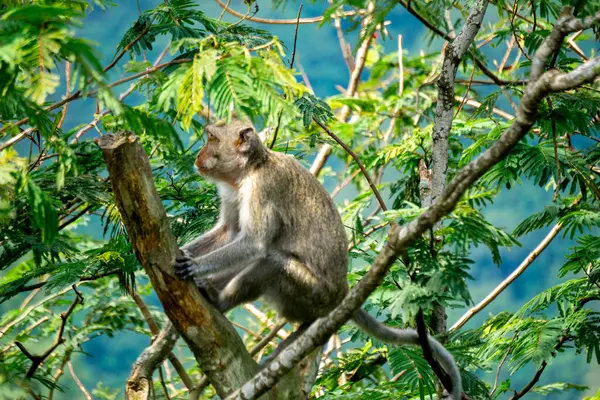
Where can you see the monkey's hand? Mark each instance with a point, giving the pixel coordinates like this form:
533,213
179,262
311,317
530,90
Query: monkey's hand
185,265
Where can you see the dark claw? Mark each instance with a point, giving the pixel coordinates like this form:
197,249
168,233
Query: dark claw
184,266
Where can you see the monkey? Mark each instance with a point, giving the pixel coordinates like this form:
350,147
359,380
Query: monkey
278,237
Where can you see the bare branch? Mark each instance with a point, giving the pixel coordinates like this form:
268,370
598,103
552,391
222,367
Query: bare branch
78,382
258,314
500,368
540,370
267,338
531,257
294,21
139,382
361,57
357,160
37,360
296,36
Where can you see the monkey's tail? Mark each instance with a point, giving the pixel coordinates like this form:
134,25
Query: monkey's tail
410,336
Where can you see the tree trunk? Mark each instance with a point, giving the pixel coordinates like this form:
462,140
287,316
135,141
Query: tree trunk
217,347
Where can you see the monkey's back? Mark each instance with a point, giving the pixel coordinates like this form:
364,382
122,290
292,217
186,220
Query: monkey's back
311,227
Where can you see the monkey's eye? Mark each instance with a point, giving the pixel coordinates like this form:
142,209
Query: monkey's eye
211,137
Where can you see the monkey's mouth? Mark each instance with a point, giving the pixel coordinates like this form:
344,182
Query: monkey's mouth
201,170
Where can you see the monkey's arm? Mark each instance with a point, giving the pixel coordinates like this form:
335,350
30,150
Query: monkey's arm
249,246
242,250
208,242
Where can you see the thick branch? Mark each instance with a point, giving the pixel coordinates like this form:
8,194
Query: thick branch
212,339
140,380
453,56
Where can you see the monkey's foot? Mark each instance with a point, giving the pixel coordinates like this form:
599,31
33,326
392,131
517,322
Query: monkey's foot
184,265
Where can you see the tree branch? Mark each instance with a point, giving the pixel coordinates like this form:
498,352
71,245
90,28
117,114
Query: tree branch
140,379
357,160
359,64
37,360
127,47
540,371
293,21
79,384
447,37
453,56
510,279
565,24
155,331
82,279
295,37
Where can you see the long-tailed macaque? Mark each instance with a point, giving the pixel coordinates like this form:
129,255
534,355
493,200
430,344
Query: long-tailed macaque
279,237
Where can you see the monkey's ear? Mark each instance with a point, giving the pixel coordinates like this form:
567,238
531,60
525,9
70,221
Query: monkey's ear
245,138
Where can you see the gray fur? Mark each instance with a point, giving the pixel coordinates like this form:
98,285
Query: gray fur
279,237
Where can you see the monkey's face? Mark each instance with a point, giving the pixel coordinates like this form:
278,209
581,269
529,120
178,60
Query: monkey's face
225,152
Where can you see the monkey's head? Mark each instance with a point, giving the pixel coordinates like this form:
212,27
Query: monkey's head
229,150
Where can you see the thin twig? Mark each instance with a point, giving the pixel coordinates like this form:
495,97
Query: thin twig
346,50
281,333
344,183
79,94
82,279
512,277
500,367
162,382
78,382
361,57
67,94
539,372
59,372
400,68
224,9
296,36
37,360
25,313
128,47
293,21
357,160
267,338
122,96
